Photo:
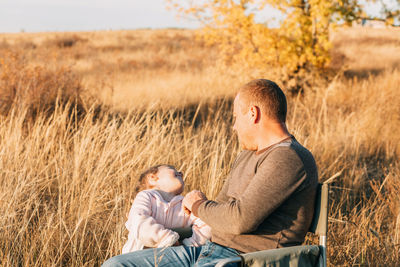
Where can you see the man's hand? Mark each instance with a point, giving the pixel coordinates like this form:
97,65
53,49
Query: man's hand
190,199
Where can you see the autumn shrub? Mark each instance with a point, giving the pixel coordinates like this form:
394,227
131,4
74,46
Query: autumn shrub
36,88
298,43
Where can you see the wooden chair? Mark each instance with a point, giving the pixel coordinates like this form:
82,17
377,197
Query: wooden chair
311,255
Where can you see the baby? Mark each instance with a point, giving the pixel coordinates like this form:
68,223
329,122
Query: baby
157,209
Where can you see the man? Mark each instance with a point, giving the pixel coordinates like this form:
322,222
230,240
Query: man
268,199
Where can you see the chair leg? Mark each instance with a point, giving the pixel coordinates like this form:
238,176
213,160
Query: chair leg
322,258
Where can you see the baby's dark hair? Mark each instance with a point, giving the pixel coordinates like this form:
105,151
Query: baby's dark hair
143,178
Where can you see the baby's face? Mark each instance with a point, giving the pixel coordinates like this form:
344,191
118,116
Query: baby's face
169,180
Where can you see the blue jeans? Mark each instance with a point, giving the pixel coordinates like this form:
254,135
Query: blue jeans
206,255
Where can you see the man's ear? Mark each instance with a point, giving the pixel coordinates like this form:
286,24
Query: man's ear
255,114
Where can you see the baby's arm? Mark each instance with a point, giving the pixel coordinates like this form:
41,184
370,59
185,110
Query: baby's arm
145,227
201,233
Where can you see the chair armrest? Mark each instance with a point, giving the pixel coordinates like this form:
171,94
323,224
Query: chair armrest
224,262
290,256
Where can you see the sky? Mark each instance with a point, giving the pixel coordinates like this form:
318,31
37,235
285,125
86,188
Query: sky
85,15
89,15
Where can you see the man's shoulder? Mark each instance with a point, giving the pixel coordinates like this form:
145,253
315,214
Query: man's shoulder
291,154
302,152
293,161
287,154
289,149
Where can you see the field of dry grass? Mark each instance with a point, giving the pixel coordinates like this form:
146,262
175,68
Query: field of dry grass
68,173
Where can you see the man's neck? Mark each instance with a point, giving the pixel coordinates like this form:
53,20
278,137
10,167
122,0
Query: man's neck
272,134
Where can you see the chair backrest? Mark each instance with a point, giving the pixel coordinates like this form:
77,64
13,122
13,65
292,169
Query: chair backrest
319,223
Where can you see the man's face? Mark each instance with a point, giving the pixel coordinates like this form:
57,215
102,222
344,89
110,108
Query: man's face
242,123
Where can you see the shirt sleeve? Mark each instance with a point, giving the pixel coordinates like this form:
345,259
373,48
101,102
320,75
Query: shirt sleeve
201,233
275,180
145,228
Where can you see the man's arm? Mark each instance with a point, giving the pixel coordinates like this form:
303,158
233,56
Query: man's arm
276,179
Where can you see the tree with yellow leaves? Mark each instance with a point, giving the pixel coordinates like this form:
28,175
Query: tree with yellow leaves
300,42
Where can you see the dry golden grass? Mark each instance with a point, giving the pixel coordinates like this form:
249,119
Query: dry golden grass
67,183
364,51
130,69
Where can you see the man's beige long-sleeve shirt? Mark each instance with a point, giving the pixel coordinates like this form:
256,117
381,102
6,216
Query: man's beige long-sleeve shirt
267,201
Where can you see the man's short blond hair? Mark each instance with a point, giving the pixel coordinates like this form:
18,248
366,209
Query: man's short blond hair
266,95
